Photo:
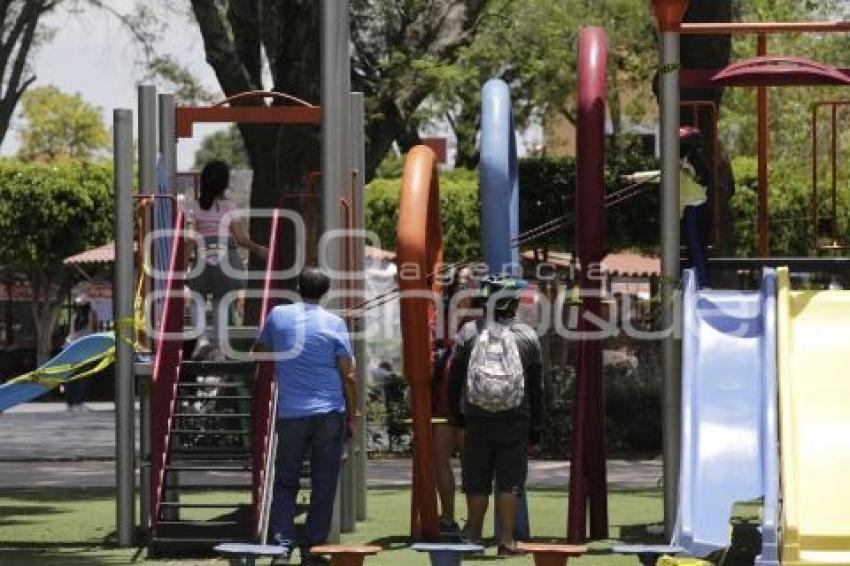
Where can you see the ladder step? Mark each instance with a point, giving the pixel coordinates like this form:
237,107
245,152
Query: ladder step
199,524
213,487
242,432
217,368
208,468
205,505
214,416
194,540
211,453
221,385
214,398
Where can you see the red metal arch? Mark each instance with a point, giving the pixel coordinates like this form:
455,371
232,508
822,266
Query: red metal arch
240,109
419,254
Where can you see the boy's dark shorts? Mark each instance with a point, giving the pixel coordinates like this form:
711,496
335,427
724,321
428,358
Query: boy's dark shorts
495,447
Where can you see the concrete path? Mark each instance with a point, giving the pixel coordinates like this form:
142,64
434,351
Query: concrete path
48,431
42,445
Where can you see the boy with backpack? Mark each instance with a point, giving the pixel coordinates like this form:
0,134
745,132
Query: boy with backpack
496,386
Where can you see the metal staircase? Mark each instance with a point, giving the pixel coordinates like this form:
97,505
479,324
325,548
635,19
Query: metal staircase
211,432
207,498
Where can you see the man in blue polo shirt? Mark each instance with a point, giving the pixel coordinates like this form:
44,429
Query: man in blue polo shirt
314,368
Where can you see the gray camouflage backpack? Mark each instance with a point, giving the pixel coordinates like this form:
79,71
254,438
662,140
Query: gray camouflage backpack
495,380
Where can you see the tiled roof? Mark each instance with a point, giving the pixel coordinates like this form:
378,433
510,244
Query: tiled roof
632,265
102,254
621,265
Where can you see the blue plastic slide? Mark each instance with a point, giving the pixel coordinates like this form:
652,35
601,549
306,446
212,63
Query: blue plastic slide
82,355
729,428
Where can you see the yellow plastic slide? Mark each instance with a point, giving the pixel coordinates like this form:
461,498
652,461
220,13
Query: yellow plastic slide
813,344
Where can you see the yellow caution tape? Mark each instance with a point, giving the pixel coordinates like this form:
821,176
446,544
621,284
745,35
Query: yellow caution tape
49,376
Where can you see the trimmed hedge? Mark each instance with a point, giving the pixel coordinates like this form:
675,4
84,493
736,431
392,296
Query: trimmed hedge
459,208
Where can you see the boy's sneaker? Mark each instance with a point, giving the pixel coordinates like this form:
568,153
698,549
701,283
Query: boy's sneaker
284,557
450,530
464,538
509,550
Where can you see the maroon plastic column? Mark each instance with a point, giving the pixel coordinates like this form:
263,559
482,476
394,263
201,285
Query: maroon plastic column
588,489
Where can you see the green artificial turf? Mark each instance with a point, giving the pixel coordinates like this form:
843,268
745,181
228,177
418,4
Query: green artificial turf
75,527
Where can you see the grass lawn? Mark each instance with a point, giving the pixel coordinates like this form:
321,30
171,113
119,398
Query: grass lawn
75,527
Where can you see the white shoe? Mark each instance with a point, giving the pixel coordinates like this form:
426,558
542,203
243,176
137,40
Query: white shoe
217,355
202,349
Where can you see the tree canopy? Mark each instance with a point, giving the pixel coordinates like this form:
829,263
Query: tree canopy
226,145
47,213
23,31
60,126
533,46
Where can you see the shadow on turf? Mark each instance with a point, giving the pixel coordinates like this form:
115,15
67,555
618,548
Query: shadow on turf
73,556
637,534
22,514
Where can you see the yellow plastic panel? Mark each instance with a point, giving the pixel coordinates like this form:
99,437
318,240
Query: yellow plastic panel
813,346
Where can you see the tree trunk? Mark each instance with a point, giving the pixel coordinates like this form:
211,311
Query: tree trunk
465,126
45,309
19,27
615,107
289,35
384,125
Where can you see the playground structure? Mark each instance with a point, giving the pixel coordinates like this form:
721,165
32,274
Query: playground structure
741,350
237,431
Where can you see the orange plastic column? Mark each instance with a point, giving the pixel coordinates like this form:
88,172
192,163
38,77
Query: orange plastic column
419,254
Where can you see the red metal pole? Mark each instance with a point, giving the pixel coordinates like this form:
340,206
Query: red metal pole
763,145
815,211
834,174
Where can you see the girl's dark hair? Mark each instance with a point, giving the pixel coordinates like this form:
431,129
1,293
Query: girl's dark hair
215,177
693,154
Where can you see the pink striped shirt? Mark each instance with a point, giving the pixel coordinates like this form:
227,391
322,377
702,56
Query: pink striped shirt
209,222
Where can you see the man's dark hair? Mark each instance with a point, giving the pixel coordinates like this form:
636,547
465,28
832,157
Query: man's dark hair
313,284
